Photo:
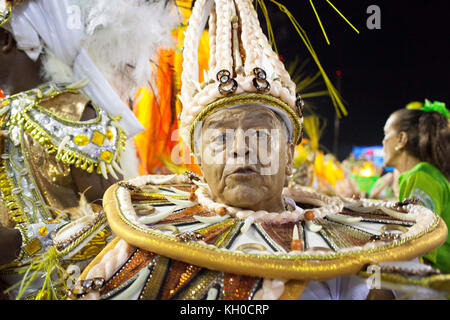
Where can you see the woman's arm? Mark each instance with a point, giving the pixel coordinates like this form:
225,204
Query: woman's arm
380,185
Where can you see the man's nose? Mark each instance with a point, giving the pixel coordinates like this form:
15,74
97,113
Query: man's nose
240,146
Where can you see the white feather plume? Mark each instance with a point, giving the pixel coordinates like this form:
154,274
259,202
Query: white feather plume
121,38
54,69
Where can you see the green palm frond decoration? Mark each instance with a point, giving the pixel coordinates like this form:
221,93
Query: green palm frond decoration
334,95
305,81
47,269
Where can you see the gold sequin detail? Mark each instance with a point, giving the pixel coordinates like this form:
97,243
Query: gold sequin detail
186,215
237,287
106,156
98,138
43,231
199,286
217,233
81,140
109,134
33,246
136,262
156,279
342,236
180,274
94,247
281,234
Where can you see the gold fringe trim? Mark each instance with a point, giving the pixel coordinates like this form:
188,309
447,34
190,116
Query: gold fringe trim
9,199
68,157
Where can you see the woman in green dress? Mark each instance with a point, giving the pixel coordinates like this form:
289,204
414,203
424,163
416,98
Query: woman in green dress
417,143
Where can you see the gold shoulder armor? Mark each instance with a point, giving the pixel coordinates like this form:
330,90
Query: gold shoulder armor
52,115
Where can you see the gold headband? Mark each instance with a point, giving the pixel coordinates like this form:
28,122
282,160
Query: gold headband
247,98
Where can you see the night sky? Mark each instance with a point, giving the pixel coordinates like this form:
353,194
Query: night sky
382,70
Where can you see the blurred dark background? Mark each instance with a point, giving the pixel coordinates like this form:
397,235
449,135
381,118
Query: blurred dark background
381,70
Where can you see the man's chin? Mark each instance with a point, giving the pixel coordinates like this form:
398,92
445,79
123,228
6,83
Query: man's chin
243,196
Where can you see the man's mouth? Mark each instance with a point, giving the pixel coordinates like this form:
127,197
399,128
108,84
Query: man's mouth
244,171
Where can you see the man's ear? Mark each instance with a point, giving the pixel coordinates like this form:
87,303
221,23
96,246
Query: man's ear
290,158
198,157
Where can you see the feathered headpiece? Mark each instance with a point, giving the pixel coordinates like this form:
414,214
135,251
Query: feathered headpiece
243,68
108,42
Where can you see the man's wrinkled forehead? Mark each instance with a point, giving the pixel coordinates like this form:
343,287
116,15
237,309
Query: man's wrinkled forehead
246,117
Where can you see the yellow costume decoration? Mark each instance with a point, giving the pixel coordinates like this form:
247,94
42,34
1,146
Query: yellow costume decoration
314,168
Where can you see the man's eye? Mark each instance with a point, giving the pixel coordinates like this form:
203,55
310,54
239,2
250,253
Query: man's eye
221,139
261,134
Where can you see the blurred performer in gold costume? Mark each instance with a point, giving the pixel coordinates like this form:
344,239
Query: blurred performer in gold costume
66,71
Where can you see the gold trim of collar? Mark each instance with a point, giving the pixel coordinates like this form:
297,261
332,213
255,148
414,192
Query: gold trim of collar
300,267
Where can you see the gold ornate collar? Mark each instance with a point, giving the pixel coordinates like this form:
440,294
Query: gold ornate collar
196,235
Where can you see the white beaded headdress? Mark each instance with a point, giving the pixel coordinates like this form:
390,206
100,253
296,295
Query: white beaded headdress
243,68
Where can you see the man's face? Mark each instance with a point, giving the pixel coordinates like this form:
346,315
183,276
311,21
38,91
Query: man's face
245,157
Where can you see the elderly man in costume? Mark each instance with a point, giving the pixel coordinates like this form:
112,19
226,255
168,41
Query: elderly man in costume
64,139
237,233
